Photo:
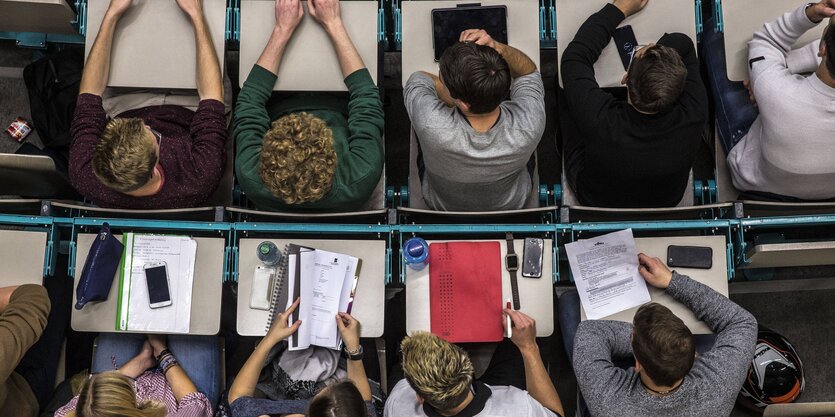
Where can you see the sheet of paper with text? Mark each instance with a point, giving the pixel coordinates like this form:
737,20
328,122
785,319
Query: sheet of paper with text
605,270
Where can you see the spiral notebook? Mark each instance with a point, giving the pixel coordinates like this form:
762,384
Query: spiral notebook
325,282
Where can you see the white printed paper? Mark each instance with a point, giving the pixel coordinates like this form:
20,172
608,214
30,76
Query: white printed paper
605,270
178,253
326,280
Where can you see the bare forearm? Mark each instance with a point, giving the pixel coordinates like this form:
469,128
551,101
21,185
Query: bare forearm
519,63
539,382
247,378
356,373
271,56
179,382
97,68
349,59
209,76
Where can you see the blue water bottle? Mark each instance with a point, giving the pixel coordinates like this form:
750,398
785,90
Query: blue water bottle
416,253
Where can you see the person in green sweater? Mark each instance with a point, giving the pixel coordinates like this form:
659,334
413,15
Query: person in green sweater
23,316
308,152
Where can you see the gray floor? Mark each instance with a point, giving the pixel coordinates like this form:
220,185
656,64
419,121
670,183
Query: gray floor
14,101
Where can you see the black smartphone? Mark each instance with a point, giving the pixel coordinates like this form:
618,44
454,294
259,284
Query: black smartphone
532,257
448,23
626,43
700,257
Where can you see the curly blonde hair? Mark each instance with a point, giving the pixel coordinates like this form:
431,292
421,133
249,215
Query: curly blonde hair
298,159
440,372
124,159
112,394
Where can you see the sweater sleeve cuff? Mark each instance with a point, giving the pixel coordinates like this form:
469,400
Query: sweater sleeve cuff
678,285
261,78
802,19
211,105
612,15
358,78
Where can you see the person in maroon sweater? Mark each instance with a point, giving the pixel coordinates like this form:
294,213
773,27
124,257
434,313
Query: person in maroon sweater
151,157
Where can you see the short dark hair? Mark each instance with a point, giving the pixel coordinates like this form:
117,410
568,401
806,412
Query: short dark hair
342,399
656,79
662,344
829,40
476,75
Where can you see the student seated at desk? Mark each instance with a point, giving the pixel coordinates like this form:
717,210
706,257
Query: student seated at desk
133,376
672,375
439,378
308,152
152,154
23,317
347,398
638,152
476,144
785,149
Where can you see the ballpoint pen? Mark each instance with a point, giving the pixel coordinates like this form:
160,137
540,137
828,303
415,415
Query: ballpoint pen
507,319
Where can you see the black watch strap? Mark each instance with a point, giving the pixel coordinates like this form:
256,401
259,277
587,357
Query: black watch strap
514,286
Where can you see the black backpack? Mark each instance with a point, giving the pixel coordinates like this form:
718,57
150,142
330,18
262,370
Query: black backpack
53,83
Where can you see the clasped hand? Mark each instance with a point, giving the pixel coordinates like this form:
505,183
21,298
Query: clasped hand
289,13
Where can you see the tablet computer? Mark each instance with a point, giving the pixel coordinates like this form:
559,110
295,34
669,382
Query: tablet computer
448,23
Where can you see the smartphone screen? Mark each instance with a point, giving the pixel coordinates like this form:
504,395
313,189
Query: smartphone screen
532,258
157,278
626,43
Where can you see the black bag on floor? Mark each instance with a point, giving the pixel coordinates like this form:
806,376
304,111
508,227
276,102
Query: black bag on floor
53,83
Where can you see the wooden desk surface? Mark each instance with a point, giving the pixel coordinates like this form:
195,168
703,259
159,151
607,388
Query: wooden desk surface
206,290
716,277
744,17
657,18
419,53
309,62
22,257
536,295
154,46
369,300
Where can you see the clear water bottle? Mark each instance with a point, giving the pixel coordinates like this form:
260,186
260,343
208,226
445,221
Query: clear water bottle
268,253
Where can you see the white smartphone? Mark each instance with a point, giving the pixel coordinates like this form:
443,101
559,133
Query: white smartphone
156,276
262,285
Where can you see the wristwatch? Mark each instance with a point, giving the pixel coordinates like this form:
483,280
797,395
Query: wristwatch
353,355
511,263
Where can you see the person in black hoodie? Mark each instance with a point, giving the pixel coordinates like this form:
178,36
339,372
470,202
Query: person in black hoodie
634,153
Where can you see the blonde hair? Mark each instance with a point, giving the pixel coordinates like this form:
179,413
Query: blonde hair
298,159
111,394
124,159
440,372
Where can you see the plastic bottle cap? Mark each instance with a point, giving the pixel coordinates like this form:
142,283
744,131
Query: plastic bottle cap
264,248
415,249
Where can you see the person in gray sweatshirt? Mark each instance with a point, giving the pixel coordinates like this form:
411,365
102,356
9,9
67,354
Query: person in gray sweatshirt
476,145
668,378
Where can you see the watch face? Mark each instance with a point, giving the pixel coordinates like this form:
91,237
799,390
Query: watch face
511,262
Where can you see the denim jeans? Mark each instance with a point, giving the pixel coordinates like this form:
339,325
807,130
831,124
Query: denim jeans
199,356
568,307
734,112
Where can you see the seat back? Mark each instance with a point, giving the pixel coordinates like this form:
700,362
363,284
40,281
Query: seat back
33,176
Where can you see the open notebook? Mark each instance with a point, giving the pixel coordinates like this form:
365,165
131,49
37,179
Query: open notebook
325,283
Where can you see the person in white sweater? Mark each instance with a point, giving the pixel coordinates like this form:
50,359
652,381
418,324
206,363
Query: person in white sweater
788,149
